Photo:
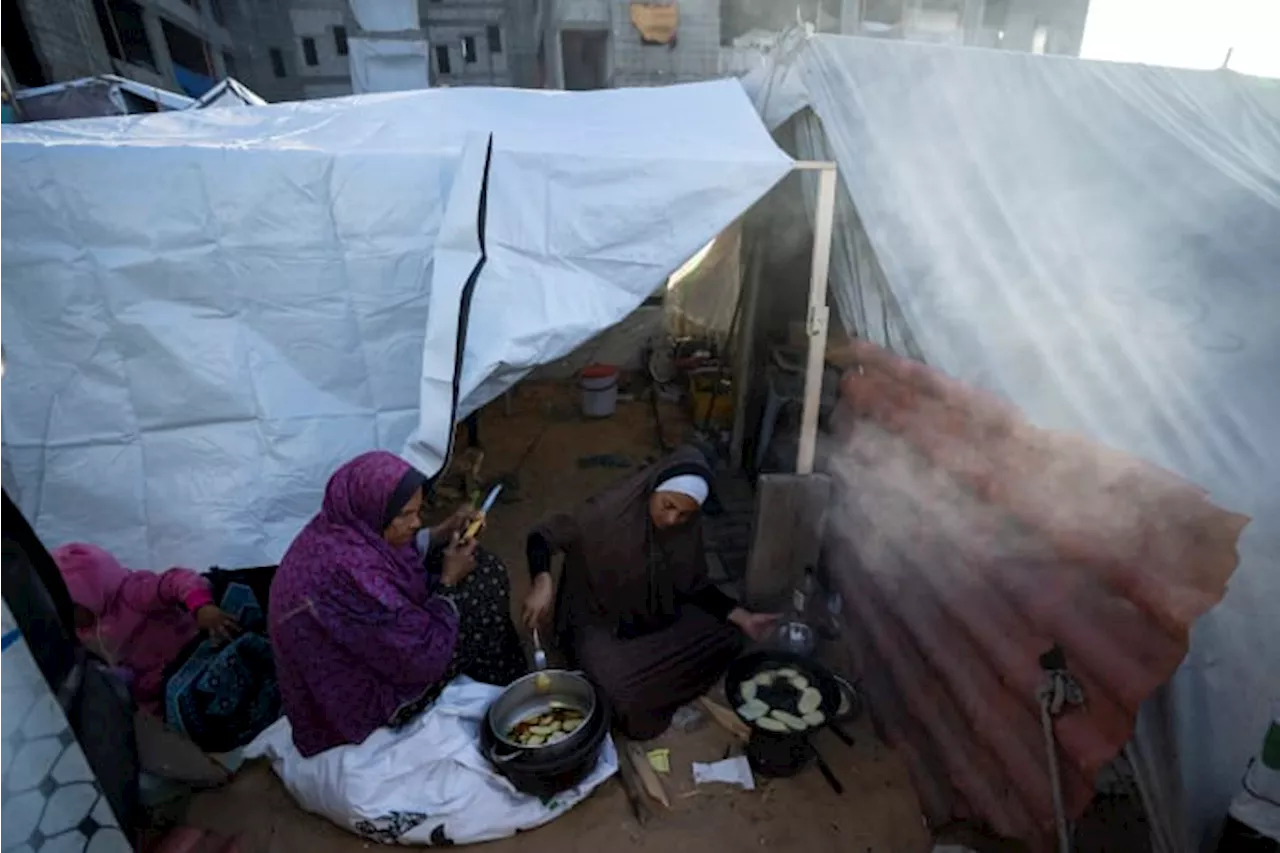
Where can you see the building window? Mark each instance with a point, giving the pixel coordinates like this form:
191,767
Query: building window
493,33
442,59
124,31
883,13
309,51
995,13
340,40
468,49
1040,39
277,62
187,49
229,63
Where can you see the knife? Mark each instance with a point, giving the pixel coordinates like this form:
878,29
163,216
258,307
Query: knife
474,527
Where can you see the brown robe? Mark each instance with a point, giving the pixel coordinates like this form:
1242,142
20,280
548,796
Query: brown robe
633,603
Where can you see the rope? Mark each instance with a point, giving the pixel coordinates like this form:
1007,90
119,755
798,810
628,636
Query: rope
1058,691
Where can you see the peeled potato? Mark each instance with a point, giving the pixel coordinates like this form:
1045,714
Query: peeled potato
764,679
772,725
536,740
799,682
791,721
815,718
748,690
752,709
570,725
810,701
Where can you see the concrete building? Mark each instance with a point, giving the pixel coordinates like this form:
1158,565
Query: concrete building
471,41
1032,26
598,44
182,45
319,46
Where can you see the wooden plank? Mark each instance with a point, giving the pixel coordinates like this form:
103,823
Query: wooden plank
790,519
816,325
744,347
648,777
725,718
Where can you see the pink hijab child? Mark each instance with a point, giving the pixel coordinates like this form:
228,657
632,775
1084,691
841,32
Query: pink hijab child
138,620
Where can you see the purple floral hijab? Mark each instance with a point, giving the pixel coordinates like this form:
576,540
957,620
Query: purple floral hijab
355,628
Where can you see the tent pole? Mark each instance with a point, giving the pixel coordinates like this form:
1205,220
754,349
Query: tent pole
745,342
816,322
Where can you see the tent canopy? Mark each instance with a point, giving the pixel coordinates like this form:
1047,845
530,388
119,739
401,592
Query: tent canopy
206,312
1096,243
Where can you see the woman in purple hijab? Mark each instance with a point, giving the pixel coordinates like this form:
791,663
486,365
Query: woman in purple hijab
365,634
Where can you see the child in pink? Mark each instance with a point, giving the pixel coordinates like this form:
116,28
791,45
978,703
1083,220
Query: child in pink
138,621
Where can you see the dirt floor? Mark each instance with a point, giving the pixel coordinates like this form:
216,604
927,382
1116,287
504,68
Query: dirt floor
877,812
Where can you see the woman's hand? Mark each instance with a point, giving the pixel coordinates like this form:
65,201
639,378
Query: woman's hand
455,523
221,627
537,604
757,626
459,560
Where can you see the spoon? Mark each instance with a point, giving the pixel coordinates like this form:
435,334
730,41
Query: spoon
542,681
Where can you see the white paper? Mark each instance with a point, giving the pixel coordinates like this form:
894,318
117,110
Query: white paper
731,771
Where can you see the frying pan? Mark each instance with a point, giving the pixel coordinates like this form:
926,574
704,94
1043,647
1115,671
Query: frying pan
835,691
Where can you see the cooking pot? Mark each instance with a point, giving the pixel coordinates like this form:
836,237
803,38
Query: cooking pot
548,769
522,699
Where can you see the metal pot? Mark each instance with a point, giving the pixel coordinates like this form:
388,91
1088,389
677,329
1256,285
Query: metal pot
543,771
522,699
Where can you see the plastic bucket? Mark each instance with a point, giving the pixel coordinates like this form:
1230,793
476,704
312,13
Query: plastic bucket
599,384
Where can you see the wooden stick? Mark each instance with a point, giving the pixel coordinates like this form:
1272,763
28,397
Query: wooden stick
631,785
652,784
725,718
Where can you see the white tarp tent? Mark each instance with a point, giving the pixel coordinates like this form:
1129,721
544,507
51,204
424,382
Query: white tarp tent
229,93
206,312
1098,243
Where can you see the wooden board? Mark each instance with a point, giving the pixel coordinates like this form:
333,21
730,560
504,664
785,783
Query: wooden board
790,518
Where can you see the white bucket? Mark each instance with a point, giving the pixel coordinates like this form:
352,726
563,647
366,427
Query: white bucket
599,384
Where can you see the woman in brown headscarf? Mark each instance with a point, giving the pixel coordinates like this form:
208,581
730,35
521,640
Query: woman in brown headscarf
635,607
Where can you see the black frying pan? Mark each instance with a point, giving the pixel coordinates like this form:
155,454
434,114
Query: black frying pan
835,691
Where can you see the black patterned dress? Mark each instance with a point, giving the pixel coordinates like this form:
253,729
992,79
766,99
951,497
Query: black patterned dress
488,648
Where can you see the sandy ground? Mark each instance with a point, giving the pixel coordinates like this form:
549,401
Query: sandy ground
877,812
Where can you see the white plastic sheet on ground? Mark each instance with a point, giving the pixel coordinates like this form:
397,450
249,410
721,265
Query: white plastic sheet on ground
206,312
1098,243
426,783
388,65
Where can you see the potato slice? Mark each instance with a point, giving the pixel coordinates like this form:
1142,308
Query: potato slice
570,725
786,672
772,725
748,690
535,740
763,679
815,718
752,709
810,700
791,721
541,730
799,682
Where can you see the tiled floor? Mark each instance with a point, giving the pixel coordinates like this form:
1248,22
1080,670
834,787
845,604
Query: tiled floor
52,803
